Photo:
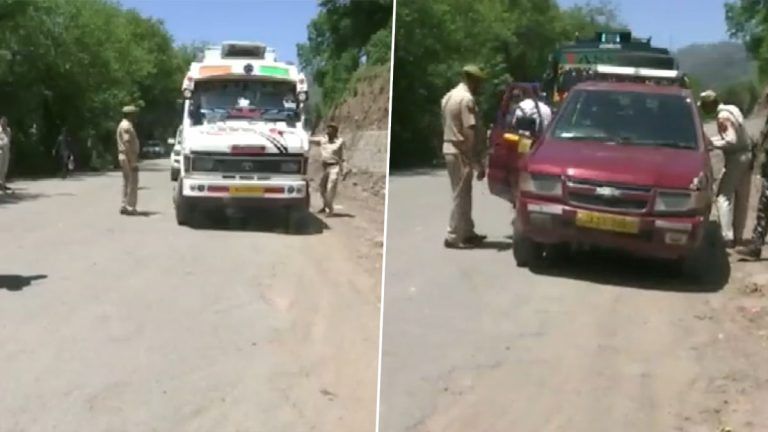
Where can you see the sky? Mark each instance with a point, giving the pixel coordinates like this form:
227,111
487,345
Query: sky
672,23
283,23
280,24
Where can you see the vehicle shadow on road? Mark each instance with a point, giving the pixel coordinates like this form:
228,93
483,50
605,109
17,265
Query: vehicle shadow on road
708,271
307,224
18,282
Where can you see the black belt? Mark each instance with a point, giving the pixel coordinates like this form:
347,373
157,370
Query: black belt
328,164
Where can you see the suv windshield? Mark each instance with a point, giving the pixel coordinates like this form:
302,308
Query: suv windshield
257,100
625,117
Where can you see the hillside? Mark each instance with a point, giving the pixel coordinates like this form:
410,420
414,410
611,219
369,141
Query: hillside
363,116
366,104
717,65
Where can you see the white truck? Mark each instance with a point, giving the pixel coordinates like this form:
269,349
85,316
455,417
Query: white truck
242,141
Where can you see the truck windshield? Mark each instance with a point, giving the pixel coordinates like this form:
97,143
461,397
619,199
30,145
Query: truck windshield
219,100
627,117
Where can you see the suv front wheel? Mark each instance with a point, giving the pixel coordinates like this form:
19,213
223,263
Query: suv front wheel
527,252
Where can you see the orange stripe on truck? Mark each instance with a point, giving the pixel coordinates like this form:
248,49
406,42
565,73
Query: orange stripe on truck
206,71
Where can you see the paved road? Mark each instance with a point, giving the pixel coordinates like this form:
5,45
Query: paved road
136,324
600,343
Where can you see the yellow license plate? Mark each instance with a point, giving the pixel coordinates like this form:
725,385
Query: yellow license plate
246,190
608,222
525,145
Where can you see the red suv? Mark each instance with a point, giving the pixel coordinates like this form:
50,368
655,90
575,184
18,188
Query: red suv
622,166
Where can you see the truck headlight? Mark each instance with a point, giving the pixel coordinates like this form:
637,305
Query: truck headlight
679,200
541,184
290,167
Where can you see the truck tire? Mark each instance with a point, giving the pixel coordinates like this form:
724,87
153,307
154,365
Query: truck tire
184,210
174,174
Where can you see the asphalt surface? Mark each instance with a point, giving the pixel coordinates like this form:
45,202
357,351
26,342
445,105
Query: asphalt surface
594,342
115,323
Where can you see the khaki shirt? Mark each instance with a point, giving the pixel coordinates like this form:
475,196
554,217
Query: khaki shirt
460,113
127,141
332,152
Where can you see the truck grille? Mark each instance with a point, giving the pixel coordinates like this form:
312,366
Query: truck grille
597,195
212,163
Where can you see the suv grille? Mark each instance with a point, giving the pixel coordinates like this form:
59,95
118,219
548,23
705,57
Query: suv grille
627,198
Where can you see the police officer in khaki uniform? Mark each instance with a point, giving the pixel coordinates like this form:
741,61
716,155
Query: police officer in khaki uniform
128,155
734,188
464,150
332,156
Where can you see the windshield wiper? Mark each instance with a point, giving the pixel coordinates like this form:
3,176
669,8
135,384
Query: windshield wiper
583,138
667,144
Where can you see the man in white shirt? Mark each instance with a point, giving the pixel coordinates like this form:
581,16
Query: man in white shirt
733,190
522,107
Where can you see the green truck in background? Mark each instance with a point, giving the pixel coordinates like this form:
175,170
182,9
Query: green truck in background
571,63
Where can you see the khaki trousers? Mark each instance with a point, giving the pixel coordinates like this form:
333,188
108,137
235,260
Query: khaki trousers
733,195
130,184
329,182
460,173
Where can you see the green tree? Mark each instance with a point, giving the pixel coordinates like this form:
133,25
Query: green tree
510,39
747,21
75,63
343,37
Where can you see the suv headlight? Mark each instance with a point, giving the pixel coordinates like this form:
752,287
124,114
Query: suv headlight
541,184
679,200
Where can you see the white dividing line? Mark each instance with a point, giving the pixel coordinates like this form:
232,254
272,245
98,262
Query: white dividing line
386,215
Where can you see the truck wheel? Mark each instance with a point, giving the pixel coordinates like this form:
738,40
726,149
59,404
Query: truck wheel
527,252
184,210
174,174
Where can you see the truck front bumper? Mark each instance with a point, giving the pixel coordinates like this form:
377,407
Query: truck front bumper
232,193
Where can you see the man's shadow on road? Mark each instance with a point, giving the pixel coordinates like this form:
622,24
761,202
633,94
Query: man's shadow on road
497,245
340,215
143,213
18,282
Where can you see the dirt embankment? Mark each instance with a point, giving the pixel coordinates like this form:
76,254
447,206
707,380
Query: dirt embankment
363,119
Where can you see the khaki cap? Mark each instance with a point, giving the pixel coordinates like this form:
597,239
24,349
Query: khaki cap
474,70
130,109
